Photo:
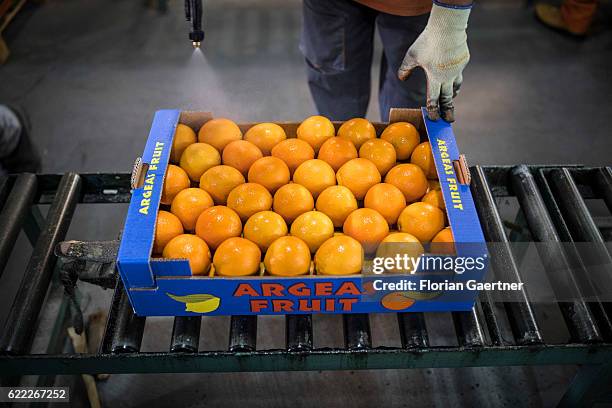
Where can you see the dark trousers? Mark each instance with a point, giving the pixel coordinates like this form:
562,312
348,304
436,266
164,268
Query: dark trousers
337,43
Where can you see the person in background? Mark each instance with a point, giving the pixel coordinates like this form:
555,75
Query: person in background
574,16
337,43
17,153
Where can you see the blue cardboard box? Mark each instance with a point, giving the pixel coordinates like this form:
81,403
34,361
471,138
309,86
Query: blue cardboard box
164,287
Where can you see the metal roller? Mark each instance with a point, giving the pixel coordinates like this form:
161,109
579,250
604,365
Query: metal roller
468,328
413,330
601,311
186,334
357,334
520,313
126,329
14,214
298,332
576,313
603,183
21,322
243,333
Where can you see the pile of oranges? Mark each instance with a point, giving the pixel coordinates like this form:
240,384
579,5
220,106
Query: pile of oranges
232,200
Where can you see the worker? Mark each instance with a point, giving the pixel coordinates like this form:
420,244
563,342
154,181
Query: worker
17,153
573,16
337,43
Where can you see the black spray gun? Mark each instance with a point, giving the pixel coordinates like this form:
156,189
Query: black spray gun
193,13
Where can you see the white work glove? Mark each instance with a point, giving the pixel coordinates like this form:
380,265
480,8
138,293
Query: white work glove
442,51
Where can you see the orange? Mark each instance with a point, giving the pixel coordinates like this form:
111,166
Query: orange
189,204
403,136
379,152
167,226
422,157
410,179
357,130
367,226
336,151
249,198
339,255
421,220
396,301
264,227
443,243
271,172
314,228
197,158
315,130
293,152
219,133
358,175
218,181
337,202
192,248
401,243
216,224
183,137
237,257
387,199
241,154
265,136
175,180
435,198
433,185
292,200
315,175
287,256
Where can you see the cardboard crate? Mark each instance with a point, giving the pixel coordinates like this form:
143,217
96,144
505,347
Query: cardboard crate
164,287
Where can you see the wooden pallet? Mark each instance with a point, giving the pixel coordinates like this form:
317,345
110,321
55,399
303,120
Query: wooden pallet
8,10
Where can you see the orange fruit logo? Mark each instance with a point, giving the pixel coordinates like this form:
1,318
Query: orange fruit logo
396,301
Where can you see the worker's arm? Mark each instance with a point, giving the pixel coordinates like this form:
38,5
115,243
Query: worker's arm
442,51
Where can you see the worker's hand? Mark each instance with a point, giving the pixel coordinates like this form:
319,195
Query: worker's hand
442,51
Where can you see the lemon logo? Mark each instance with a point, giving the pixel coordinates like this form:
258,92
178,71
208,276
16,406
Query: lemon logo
198,303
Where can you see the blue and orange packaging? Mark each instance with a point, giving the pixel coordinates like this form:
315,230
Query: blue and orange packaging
165,287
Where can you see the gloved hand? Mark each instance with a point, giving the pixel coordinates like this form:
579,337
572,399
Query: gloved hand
442,51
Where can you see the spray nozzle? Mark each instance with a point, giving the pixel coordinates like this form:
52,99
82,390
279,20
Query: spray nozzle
193,13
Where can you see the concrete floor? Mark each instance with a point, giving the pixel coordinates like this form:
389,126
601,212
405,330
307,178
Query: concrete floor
91,74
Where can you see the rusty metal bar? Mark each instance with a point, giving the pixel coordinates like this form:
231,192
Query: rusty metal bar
357,334
21,322
14,213
243,333
186,334
520,313
298,332
413,330
576,313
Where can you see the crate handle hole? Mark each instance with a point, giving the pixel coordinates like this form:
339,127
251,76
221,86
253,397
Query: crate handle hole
462,170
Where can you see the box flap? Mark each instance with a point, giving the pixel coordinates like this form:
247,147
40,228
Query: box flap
465,223
139,229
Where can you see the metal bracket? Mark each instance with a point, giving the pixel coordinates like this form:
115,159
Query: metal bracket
92,262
